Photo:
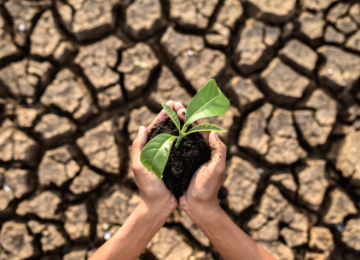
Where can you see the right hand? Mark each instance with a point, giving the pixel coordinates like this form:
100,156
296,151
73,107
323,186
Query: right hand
201,195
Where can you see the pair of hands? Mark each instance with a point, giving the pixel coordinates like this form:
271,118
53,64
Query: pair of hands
199,202
202,193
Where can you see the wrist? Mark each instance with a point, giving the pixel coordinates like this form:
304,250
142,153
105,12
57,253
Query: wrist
154,210
204,214
141,226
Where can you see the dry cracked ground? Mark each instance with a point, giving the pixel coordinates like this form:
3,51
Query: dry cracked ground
78,77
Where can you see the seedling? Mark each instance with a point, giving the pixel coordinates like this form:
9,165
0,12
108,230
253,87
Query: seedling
209,101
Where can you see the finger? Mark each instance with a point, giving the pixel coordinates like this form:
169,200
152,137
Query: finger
218,154
205,134
138,145
181,113
161,117
171,104
178,106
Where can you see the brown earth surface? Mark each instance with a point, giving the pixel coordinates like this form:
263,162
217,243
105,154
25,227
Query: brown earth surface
78,77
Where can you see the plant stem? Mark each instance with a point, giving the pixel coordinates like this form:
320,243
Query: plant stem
178,141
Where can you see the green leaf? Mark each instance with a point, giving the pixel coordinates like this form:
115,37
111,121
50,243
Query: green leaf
205,127
172,114
209,101
156,152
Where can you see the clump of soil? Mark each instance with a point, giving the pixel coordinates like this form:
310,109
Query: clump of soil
183,161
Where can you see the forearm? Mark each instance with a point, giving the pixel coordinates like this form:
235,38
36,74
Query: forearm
131,239
228,239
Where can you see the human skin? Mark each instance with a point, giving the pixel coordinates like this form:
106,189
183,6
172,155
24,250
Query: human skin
155,206
199,202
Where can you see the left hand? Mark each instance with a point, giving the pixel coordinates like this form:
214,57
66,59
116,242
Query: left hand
155,205
153,191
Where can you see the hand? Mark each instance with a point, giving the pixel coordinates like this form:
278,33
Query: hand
153,191
201,197
155,205
202,193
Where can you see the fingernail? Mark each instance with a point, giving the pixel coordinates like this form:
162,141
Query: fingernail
141,130
168,102
182,111
216,135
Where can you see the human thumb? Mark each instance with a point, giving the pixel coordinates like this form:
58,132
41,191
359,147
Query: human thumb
218,154
139,143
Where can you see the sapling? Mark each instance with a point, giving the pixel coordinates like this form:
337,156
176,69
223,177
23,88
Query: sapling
209,101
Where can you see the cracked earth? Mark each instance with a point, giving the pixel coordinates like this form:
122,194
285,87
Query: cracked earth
78,78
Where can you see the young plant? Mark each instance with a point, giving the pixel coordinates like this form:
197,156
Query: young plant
209,101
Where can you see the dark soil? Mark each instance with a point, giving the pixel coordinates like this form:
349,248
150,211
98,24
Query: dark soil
183,161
